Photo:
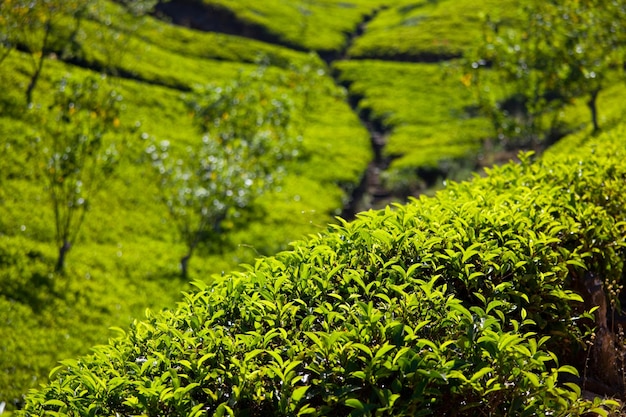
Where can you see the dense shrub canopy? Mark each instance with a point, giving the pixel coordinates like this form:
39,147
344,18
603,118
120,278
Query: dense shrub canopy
389,129
451,305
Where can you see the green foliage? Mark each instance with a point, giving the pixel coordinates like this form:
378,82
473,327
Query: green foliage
305,24
11,17
40,28
427,117
447,304
109,30
211,45
75,153
426,30
139,7
22,268
556,52
587,57
247,139
127,254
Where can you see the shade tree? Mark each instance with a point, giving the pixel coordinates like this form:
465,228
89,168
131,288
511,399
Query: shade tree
41,28
594,46
527,70
45,28
247,138
76,152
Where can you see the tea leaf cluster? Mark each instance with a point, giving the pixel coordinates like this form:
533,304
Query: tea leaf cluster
464,304
127,253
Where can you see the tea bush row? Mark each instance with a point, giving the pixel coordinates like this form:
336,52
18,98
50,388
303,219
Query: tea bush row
430,121
426,117
426,31
459,304
320,26
127,256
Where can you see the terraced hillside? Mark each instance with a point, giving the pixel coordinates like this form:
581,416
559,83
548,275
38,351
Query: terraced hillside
379,110
403,64
472,302
126,257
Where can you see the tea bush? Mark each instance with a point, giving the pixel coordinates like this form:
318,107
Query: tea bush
460,304
426,30
426,118
126,258
154,32
310,25
430,120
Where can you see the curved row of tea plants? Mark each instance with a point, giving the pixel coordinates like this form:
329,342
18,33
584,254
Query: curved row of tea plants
460,304
427,30
436,120
427,117
424,111
127,253
311,25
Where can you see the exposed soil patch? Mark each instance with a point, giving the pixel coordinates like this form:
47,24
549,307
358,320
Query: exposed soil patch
423,57
210,18
371,192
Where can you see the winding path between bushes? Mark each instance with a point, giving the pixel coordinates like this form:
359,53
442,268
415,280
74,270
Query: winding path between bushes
371,191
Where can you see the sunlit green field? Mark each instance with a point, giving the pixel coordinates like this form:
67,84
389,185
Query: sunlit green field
398,63
427,30
422,131
320,25
126,258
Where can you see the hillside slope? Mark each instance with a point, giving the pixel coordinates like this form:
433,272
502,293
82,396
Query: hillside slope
383,114
127,255
470,302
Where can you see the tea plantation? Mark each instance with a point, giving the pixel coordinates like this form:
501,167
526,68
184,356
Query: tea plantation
470,302
127,253
153,131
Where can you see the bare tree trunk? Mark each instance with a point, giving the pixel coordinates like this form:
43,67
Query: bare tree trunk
63,250
39,66
593,107
184,266
604,357
184,261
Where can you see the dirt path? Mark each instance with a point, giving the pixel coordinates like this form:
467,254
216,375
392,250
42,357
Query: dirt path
371,192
